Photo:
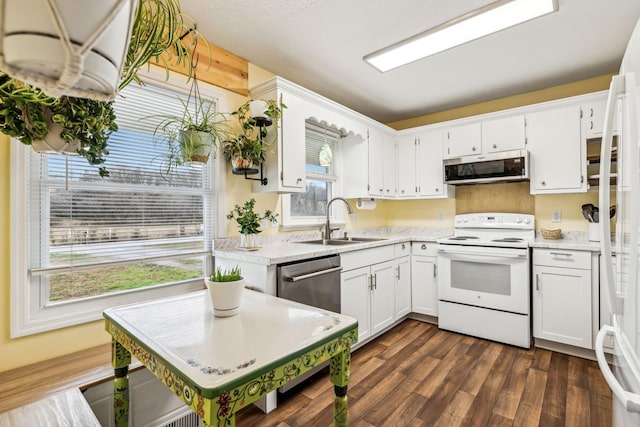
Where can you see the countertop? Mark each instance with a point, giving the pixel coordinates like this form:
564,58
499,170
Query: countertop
286,248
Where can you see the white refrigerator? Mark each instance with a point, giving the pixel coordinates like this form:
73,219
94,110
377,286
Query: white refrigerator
621,279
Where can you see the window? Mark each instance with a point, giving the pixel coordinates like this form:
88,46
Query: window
83,243
321,152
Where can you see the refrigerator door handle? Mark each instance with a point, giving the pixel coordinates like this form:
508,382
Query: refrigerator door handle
616,89
631,401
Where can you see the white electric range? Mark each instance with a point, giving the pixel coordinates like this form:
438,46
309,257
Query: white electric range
484,277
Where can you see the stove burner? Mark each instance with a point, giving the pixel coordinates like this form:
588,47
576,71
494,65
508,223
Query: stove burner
508,239
463,238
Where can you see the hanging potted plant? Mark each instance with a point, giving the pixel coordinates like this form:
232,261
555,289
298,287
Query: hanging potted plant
225,291
66,125
249,222
246,148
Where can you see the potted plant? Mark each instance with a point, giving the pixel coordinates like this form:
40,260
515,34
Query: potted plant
249,222
193,136
246,147
67,125
225,291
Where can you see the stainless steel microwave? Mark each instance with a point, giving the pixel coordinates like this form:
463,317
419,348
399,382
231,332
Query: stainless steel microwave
486,168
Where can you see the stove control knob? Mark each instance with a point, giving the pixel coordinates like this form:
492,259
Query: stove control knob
518,220
527,220
466,219
458,220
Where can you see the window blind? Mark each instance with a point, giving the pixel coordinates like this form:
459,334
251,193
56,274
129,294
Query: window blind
80,221
318,142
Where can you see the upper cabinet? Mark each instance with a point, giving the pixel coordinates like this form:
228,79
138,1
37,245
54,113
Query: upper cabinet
285,163
593,118
489,136
464,140
429,167
504,134
406,166
382,164
556,151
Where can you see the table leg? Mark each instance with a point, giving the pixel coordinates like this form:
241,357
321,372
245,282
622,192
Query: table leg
120,359
340,375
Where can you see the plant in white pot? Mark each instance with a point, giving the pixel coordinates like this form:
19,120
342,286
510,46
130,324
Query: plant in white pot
225,291
249,222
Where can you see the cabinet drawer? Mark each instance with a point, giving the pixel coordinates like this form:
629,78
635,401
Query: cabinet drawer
402,249
562,258
424,248
356,259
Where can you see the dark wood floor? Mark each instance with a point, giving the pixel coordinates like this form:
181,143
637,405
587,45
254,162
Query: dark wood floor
418,375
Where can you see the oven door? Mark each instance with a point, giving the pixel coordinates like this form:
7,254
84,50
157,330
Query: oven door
489,277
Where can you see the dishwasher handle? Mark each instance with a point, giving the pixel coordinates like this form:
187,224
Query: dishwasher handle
311,275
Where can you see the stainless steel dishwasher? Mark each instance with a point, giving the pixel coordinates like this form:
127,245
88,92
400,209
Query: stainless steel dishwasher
313,282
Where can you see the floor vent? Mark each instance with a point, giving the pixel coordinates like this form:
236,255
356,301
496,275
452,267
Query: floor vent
189,420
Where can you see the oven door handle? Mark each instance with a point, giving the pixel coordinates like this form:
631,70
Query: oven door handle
483,254
311,275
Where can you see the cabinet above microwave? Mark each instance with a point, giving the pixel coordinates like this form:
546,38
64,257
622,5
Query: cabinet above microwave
491,136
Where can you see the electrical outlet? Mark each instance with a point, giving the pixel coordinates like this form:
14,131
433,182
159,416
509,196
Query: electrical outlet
440,216
556,215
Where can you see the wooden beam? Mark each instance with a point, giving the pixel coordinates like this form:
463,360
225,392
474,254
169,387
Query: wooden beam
216,66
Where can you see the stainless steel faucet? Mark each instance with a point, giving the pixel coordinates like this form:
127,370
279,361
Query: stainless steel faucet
327,225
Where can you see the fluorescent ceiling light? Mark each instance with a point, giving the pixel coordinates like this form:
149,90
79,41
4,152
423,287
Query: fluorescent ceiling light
487,20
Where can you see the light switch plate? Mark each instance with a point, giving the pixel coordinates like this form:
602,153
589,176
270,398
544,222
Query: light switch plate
556,215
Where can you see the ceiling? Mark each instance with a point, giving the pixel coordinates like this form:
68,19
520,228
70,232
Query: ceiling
319,44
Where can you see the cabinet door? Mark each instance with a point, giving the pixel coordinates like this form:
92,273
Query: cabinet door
403,287
556,151
424,285
464,140
504,134
354,298
562,305
429,168
292,138
389,165
376,174
593,118
406,166
382,296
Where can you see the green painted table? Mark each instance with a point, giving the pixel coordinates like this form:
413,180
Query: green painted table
218,365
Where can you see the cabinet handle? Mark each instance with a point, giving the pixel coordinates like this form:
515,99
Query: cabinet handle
403,246
370,280
375,281
590,112
398,272
437,189
435,270
402,191
473,148
561,254
381,190
423,246
387,190
298,181
495,146
543,183
590,125
537,282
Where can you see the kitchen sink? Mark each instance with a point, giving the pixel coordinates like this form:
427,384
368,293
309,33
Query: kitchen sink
342,240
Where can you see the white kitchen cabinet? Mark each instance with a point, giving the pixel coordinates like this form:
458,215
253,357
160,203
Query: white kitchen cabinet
406,166
429,166
562,297
504,134
402,265
593,118
382,164
424,279
354,298
464,140
556,151
402,287
371,291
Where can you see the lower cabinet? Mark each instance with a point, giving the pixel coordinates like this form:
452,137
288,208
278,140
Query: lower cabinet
424,279
375,289
562,297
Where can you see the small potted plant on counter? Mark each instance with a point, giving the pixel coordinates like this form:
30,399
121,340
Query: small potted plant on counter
249,222
225,291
